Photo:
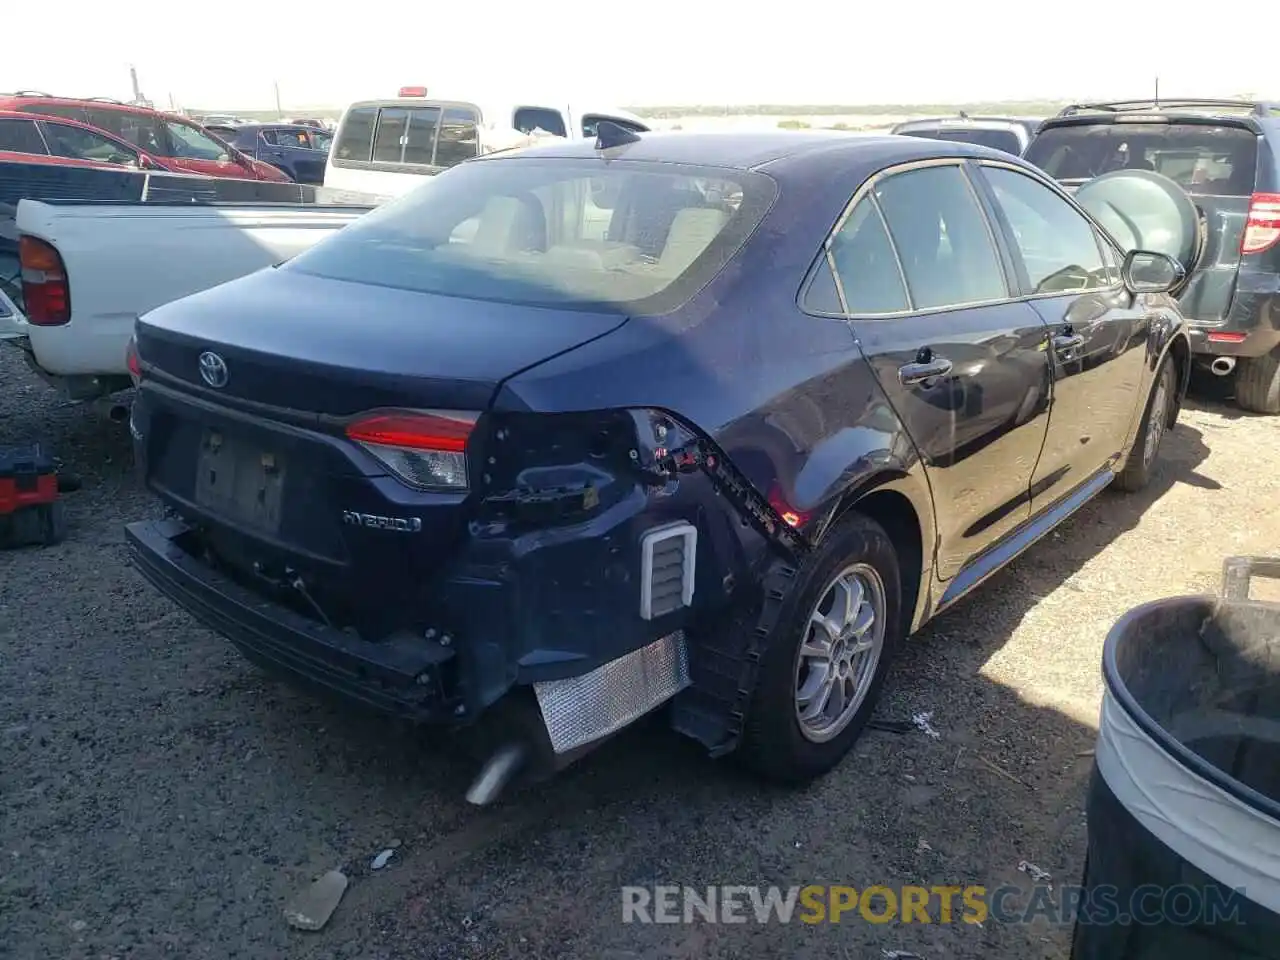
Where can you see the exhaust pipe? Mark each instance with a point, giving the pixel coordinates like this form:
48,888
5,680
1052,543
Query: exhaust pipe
497,774
1222,366
118,413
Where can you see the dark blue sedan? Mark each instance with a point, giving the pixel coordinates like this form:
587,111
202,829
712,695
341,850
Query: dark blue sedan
711,421
297,149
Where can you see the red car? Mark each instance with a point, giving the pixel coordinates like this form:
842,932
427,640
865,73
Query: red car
66,143
172,142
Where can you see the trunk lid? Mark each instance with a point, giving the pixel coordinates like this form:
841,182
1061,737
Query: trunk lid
283,501
332,347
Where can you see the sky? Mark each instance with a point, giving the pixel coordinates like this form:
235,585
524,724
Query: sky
667,52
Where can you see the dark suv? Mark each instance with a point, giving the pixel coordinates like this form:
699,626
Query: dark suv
1226,155
1010,134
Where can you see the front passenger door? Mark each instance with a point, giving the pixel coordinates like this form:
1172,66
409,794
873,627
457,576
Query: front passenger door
1098,331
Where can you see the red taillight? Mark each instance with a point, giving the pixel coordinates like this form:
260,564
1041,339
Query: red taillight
1262,229
1226,337
425,449
45,292
131,358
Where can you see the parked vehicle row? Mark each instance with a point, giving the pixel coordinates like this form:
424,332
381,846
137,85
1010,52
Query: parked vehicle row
173,143
627,423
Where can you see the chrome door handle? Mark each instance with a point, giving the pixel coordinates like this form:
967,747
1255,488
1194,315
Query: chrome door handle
920,371
1068,341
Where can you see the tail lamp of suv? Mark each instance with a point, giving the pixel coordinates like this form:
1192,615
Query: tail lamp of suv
45,291
423,449
133,360
1262,229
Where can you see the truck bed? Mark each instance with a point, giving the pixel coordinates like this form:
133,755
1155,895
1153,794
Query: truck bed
122,259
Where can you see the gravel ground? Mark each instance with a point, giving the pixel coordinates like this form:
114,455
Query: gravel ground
159,796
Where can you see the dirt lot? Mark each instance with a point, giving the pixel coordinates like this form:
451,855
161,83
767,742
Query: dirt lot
161,797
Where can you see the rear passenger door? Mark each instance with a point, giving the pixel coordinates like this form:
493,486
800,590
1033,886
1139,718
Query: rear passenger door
1098,330
928,288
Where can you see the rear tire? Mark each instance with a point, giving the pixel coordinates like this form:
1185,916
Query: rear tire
1258,383
1155,424
852,582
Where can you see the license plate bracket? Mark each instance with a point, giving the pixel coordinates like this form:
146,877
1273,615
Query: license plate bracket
240,481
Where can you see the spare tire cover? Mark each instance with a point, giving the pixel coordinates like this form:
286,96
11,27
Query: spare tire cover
1144,210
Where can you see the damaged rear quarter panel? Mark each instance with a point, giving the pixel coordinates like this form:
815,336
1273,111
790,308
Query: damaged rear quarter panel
786,397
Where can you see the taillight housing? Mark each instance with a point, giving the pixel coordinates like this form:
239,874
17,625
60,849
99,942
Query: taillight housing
132,359
423,449
1262,228
45,292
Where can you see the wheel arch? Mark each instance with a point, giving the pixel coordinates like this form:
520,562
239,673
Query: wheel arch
900,502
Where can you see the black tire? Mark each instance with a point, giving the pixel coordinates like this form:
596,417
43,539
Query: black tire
1140,466
772,743
1258,383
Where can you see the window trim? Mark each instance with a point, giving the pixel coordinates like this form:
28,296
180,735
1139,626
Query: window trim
384,166
1100,234
867,187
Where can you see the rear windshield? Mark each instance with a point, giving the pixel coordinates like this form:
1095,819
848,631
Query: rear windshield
582,233
1204,160
1005,140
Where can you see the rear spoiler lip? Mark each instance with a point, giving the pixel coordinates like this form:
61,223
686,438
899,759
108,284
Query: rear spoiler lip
1155,117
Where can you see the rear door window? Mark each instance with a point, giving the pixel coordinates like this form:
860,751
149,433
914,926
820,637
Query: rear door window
1057,246
420,135
1203,159
388,141
21,136
528,119
942,237
865,267
141,129
79,144
355,139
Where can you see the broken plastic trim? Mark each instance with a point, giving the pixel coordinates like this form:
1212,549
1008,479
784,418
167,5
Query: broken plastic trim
696,452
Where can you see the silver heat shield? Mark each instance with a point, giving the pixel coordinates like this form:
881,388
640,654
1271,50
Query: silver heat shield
579,710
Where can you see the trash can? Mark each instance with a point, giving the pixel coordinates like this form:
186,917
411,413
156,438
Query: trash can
1184,802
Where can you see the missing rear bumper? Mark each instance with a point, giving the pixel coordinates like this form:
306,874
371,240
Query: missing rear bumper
581,710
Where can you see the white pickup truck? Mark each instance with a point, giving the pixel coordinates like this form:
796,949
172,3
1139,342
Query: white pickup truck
91,268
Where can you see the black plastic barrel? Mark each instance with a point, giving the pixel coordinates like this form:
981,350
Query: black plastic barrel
1184,803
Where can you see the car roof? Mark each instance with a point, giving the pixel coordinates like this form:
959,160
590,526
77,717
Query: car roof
7,101
749,150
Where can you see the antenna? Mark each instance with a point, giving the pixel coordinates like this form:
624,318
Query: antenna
610,135
1157,101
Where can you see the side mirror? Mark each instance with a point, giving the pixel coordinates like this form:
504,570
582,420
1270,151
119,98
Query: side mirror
1145,271
146,163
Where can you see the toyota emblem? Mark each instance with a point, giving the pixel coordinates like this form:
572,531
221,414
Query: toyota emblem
213,369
